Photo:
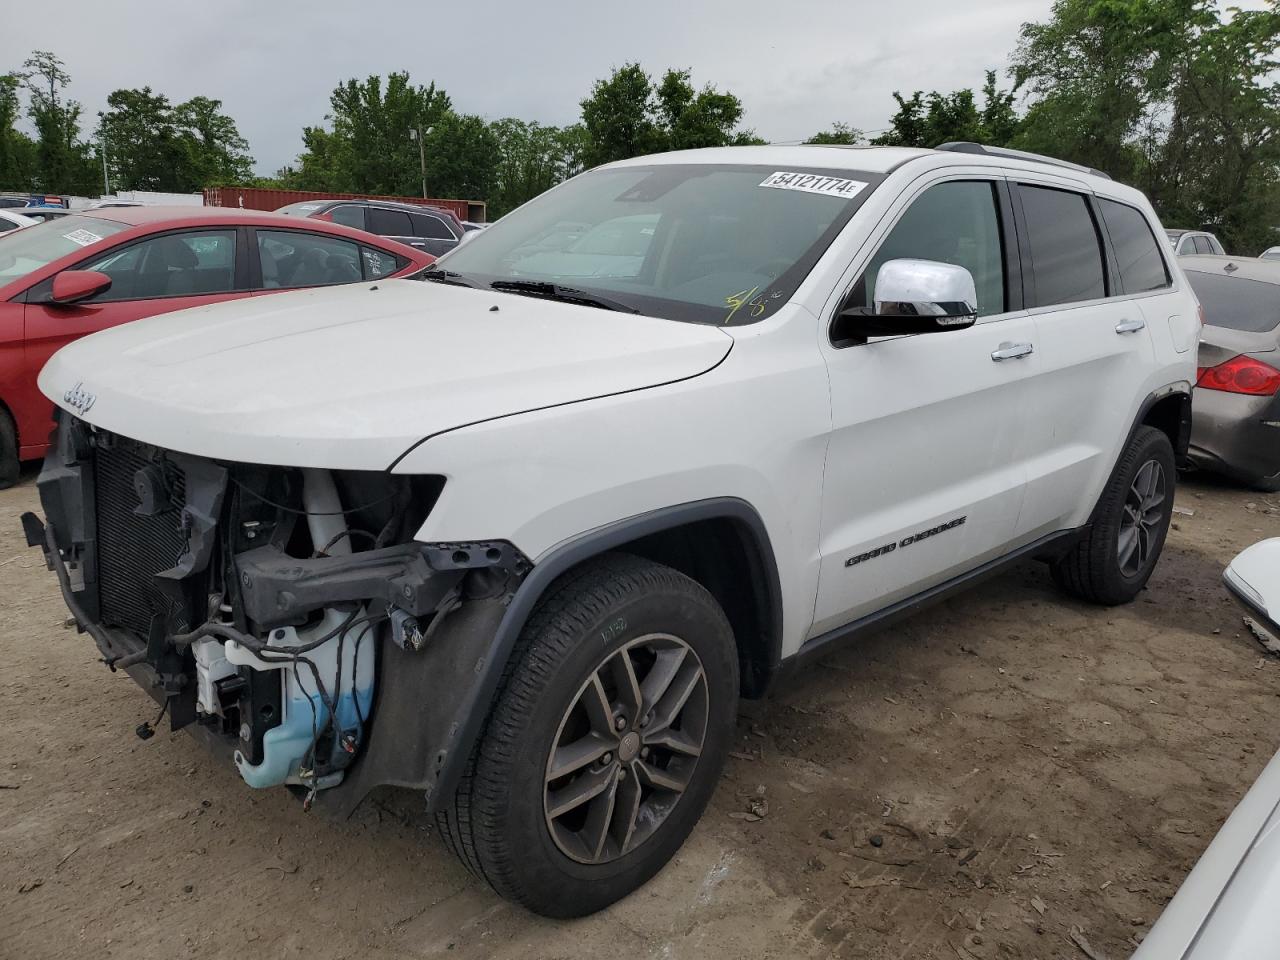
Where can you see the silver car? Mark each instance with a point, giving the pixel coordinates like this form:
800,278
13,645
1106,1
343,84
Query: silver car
1235,427
1226,909
1190,242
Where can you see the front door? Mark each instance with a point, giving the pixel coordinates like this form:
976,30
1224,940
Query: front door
924,478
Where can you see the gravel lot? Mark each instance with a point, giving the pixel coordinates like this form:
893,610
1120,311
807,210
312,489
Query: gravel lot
972,783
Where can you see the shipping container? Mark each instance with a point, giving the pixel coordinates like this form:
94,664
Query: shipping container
258,198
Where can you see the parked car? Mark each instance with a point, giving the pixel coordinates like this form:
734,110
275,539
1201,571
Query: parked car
431,229
1271,253
558,529
1187,242
1225,909
41,214
1236,410
10,219
82,273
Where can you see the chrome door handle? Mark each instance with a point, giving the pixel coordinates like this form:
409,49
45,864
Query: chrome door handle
1129,326
1011,351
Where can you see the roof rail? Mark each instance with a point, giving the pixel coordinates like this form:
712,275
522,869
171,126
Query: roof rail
965,146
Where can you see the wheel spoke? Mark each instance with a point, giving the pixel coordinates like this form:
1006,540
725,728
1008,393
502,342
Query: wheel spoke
599,817
626,811
574,756
676,696
624,677
660,675
660,779
578,792
1144,545
598,709
1127,545
677,741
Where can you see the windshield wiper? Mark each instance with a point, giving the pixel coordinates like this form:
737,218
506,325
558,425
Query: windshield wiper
554,291
450,276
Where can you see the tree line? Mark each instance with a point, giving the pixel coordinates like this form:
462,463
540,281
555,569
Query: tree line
1173,96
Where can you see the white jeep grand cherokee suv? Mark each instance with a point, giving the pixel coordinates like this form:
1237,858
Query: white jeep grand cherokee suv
519,537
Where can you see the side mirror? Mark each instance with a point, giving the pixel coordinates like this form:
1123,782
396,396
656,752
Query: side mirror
73,286
915,296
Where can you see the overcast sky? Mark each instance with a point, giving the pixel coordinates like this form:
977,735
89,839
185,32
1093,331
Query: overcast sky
798,66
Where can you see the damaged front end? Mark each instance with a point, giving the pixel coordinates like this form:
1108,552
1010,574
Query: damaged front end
285,614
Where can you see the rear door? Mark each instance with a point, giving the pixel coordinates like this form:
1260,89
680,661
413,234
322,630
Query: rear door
1095,351
394,224
158,274
432,234
923,480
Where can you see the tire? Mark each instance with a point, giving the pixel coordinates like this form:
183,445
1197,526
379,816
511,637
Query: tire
9,465
508,821
1267,485
1096,569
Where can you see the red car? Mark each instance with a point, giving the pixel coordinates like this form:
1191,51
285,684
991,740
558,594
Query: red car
81,273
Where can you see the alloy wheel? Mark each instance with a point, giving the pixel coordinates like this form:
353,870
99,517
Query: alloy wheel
626,749
1140,518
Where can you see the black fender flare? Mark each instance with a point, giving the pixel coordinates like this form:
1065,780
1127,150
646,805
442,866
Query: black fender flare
431,706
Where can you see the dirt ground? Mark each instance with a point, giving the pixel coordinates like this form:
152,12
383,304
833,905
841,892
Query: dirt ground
972,783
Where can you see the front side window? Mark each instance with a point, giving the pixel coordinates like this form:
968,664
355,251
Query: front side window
955,222
172,265
1066,251
706,243
1142,267
291,258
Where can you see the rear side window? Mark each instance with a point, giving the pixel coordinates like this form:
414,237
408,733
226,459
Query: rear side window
432,228
1141,266
388,223
1066,253
378,263
349,215
291,258
1237,303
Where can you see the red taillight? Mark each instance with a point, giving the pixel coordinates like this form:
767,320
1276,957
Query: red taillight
1240,375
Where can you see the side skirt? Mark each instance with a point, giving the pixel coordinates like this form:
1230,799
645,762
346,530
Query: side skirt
1046,548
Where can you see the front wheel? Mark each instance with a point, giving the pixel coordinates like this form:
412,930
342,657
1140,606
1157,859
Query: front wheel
606,742
1115,557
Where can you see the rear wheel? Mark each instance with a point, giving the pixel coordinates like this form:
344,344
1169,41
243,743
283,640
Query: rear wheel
1115,557
606,742
9,465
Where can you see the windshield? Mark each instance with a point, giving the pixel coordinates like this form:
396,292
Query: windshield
698,242
23,251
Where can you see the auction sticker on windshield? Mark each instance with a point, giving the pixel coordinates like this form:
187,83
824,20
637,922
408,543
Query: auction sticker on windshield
82,237
813,183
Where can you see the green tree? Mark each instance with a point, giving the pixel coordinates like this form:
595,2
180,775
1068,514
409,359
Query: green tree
145,150
619,117
1095,69
215,152
17,150
532,159
371,149
628,115
462,157
63,163
928,120
840,134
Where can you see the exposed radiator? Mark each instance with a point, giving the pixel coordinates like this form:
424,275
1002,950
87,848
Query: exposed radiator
132,549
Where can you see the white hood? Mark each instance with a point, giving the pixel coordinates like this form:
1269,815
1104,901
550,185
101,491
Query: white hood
352,377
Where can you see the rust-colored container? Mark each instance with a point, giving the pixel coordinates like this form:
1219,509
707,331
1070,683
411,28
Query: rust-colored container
258,198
